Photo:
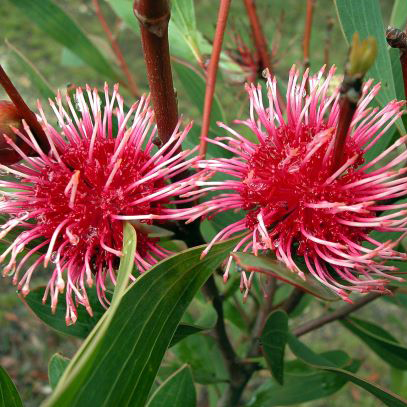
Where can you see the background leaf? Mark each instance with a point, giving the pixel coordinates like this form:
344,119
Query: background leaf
58,25
398,14
177,391
273,340
9,396
56,367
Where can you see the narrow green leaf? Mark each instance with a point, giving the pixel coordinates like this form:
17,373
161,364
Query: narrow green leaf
118,362
177,391
9,396
126,262
317,361
56,367
379,341
275,268
59,26
399,14
273,340
124,10
194,86
38,81
184,330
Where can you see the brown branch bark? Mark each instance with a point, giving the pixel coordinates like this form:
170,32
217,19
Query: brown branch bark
116,49
154,17
398,39
212,73
24,110
335,315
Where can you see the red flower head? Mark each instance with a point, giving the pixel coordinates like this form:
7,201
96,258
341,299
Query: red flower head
103,167
292,200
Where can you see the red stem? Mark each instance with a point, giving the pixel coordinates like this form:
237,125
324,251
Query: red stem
258,35
24,110
212,72
116,49
154,17
307,32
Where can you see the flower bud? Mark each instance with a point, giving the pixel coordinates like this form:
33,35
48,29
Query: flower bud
362,55
10,118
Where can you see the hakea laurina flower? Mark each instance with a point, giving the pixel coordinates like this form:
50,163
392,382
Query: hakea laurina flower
103,167
294,200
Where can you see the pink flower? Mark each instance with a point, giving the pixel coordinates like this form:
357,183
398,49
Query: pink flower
294,204
103,167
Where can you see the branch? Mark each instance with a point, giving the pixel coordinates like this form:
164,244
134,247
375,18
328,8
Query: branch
116,49
307,32
398,39
293,300
24,110
212,72
154,17
335,315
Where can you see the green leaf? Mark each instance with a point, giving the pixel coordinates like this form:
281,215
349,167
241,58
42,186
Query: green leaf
9,396
273,340
184,330
365,18
183,25
56,367
83,325
194,86
59,26
124,9
317,361
379,341
177,391
399,14
118,362
275,268
126,262
38,81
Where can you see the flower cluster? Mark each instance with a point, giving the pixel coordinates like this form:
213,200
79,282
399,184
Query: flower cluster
296,202
103,166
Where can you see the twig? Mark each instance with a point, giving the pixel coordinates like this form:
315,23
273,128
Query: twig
293,300
212,72
398,39
116,49
24,110
258,35
154,17
307,32
260,42
328,33
335,315
239,373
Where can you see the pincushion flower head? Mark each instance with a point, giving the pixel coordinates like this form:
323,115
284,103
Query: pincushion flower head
103,167
296,201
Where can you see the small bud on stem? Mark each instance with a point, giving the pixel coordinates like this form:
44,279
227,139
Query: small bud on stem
361,57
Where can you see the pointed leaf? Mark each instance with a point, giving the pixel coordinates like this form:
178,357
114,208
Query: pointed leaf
177,391
9,396
59,26
273,340
56,367
379,341
184,330
118,362
275,268
38,81
317,361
